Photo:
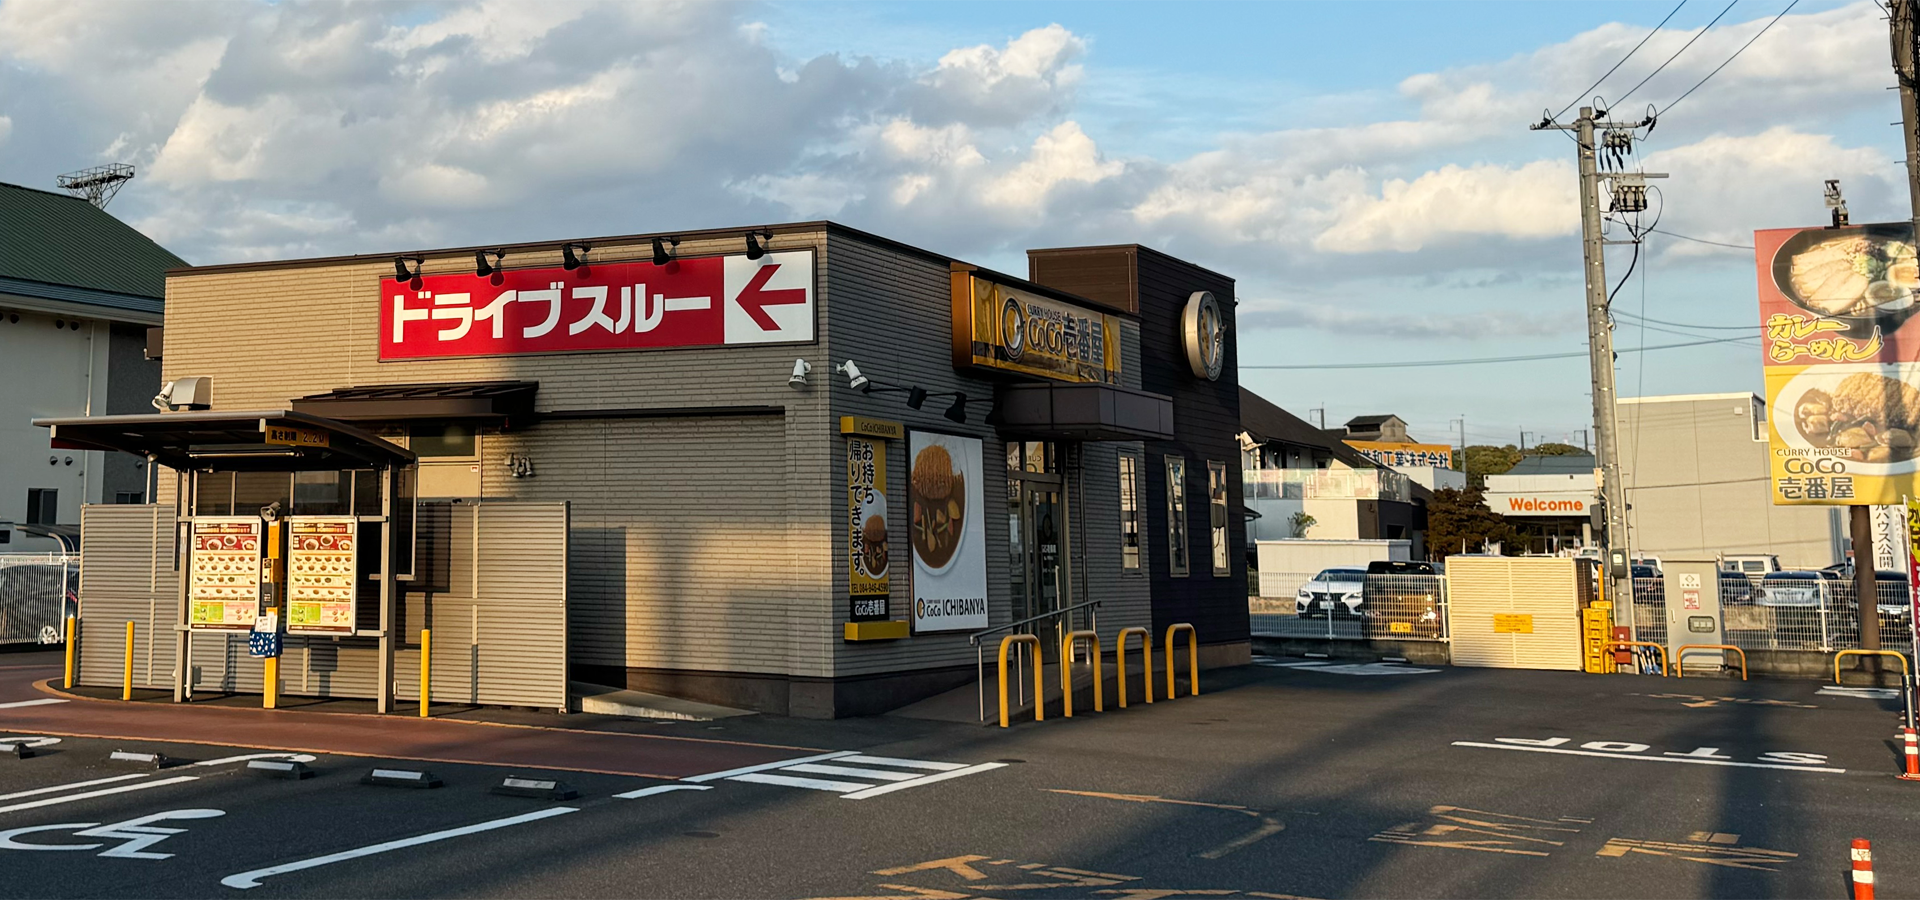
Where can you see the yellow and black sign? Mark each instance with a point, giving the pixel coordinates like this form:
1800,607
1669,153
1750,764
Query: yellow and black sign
1512,623
1000,327
868,555
296,437
880,428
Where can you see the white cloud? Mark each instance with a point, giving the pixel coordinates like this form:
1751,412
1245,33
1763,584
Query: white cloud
271,128
1537,200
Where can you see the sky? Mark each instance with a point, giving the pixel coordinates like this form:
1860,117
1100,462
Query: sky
1364,170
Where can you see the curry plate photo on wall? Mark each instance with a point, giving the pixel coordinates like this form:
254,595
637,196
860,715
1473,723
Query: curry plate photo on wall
946,527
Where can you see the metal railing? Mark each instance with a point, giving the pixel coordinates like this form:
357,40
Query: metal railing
1811,613
38,591
1392,607
1325,484
980,660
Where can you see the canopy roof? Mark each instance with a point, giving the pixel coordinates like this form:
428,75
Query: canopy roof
265,441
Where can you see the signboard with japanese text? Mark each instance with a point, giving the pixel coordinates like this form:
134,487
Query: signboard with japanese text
1913,570
322,568
1438,456
946,527
223,573
1007,329
1842,362
702,302
867,545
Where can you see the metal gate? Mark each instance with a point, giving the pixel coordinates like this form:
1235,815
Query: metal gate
1514,612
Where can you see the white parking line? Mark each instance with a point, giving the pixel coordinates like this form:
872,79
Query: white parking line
1668,759
246,880
77,784
662,789
903,763
812,784
743,770
70,798
903,785
876,774
40,702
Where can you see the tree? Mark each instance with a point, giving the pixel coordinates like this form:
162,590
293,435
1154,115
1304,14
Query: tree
1484,459
1550,448
1300,522
1460,517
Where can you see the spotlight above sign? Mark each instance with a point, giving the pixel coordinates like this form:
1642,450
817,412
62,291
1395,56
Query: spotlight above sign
635,305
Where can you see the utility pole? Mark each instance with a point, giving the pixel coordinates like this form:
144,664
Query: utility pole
1904,36
1463,446
1584,434
1523,443
1631,188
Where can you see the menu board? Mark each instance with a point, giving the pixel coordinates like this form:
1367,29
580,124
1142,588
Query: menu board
223,587
322,565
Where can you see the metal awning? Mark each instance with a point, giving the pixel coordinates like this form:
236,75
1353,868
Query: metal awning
1083,412
499,403
265,441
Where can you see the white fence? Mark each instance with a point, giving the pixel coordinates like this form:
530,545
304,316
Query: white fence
1391,607
37,593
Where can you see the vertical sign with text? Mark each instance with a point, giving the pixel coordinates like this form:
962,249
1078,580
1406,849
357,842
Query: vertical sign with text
867,550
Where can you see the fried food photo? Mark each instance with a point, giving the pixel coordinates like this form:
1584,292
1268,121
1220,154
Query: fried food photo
1872,416
938,508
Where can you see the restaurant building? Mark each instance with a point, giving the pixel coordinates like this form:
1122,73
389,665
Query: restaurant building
792,469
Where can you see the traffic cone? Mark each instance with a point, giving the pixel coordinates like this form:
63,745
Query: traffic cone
1862,869
1913,754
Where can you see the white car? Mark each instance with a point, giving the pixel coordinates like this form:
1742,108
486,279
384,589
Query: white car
1333,592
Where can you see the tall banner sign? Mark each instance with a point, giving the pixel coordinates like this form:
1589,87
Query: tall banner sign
1007,329
705,302
946,527
867,545
1842,363
223,573
1913,570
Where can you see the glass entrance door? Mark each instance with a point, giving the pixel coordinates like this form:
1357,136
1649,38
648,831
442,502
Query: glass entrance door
1037,536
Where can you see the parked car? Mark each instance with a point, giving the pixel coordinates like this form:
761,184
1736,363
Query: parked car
1894,602
1403,595
1752,563
1649,586
1736,589
1797,589
1333,592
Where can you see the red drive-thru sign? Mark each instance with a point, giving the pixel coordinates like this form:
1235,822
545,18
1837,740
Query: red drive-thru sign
706,302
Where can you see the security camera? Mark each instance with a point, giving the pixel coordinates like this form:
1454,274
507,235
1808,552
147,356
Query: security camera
799,378
855,380
163,401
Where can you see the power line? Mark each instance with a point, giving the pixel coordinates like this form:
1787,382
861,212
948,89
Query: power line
1676,54
1493,359
1623,61
1754,328
1736,55
1701,240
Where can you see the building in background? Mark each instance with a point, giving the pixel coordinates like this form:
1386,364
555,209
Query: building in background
1384,440
1549,500
1298,475
1695,468
78,290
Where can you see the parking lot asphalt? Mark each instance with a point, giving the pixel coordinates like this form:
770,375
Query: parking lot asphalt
1289,778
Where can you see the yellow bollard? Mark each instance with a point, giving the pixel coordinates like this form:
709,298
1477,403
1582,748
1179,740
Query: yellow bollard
1066,671
1146,660
1193,658
426,669
270,691
72,624
126,677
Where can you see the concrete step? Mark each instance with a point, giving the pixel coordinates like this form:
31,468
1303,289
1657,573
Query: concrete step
609,701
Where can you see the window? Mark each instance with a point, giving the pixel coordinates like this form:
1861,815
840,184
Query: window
428,441
1176,517
1129,513
43,506
1217,516
134,497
